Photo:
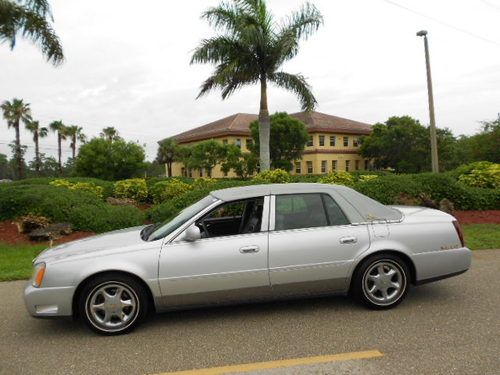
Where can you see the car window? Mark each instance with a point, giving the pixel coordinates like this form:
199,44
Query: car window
333,211
232,218
299,211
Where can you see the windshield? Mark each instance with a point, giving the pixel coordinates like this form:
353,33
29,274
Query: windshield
166,228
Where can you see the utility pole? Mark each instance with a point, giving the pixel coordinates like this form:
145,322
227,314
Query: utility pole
434,150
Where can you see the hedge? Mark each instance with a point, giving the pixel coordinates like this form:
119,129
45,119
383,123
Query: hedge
107,186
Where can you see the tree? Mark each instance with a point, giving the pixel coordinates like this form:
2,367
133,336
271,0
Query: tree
5,169
251,49
14,112
205,156
288,139
115,160
31,19
60,129
168,152
38,132
483,146
110,133
403,144
243,164
75,133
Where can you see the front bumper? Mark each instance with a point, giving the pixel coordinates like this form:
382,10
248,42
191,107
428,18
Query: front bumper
49,302
436,265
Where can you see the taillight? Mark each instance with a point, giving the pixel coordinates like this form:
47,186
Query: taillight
459,232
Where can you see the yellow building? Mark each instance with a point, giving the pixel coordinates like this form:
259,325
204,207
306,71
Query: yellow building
333,143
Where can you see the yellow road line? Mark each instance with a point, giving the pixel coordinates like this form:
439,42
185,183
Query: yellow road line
280,363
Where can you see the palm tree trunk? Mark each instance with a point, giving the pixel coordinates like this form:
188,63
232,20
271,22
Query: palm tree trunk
37,155
19,156
59,150
169,168
73,147
264,128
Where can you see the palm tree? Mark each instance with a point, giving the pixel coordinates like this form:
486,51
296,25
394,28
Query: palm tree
74,132
32,19
14,112
110,133
59,128
168,152
38,132
251,49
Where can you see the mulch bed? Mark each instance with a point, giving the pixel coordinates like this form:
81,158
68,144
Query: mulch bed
10,234
478,217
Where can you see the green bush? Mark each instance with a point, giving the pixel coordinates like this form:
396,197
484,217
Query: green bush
275,176
387,189
203,182
132,188
481,174
79,186
168,189
82,209
367,177
107,186
339,178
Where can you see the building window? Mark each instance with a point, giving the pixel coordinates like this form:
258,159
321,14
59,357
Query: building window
248,143
183,172
224,142
238,143
309,167
356,142
367,164
332,140
310,142
321,140
347,165
334,165
356,165
190,173
298,170
346,141
323,166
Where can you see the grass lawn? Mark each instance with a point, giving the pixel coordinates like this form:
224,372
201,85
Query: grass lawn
482,236
15,260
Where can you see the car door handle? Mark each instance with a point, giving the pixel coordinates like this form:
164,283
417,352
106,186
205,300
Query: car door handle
249,249
350,239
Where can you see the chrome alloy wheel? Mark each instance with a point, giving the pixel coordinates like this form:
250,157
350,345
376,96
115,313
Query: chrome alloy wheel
112,306
384,282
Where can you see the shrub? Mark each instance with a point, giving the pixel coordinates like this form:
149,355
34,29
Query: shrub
275,176
133,188
481,174
80,186
367,177
203,182
168,189
339,178
107,186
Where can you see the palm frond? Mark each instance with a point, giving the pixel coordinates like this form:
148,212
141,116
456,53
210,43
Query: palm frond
298,85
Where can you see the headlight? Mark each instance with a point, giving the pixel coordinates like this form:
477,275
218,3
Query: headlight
38,273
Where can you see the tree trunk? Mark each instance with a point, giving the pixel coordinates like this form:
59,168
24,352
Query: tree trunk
37,155
73,147
19,156
59,140
264,128
169,169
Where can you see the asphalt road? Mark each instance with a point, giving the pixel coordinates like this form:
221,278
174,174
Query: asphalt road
448,327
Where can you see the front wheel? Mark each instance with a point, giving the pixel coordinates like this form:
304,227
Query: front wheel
112,304
381,282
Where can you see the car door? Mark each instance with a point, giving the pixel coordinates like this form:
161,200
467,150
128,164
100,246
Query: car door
229,264
311,244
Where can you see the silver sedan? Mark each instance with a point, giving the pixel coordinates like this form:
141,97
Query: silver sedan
246,244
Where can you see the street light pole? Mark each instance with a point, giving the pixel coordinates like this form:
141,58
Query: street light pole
434,151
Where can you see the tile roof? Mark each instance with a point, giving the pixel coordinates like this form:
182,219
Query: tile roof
238,124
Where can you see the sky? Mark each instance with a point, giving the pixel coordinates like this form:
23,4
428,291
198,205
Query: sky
128,66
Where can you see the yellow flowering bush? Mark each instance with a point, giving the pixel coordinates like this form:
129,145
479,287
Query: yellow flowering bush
275,176
132,188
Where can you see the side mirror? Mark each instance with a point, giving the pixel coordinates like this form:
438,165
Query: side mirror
192,233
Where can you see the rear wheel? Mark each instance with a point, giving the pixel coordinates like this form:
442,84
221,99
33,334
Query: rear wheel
113,304
381,282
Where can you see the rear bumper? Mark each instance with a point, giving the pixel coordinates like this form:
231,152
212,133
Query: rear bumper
49,302
436,265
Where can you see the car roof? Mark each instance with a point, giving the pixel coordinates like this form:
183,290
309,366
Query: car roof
251,191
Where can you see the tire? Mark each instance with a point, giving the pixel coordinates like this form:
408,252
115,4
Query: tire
113,304
384,292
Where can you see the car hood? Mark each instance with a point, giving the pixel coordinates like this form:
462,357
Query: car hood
99,243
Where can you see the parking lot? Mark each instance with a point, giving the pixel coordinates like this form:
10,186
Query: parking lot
448,327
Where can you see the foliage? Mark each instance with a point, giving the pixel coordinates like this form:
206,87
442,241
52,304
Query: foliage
339,178
79,186
31,19
243,164
110,134
107,160
168,152
367,177
205,156
485,145
287,141
82,209
165,190
133,188
480,174
203,182
275,176
251,48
